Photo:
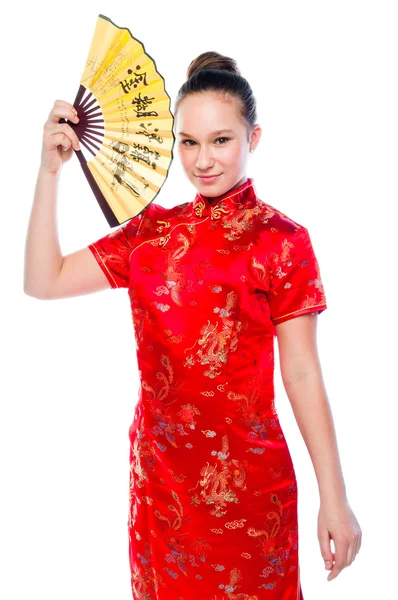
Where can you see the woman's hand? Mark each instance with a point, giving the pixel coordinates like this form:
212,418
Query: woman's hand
59,139
337,521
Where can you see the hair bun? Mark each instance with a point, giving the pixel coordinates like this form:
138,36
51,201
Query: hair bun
212,60
212,72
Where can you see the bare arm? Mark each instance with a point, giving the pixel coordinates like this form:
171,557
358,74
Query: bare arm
43,258
47,273
304,385
303,382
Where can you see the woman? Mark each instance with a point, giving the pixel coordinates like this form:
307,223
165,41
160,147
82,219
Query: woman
213,503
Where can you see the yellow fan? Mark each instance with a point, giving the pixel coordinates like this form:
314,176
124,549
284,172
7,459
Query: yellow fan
125,126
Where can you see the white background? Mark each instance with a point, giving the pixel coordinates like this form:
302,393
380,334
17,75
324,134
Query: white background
325,78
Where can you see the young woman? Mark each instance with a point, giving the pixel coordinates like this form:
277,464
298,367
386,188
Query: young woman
213,503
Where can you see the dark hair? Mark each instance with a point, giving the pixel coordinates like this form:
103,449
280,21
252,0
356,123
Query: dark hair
211,71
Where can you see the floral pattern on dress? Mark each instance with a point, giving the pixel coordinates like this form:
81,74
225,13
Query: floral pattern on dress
213,492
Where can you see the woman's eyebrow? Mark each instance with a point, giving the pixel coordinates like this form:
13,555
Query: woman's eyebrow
214,132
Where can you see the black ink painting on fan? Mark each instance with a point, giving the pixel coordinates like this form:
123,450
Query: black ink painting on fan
125,123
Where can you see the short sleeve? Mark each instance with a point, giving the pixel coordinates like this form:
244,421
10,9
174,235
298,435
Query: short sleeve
296,287
113,251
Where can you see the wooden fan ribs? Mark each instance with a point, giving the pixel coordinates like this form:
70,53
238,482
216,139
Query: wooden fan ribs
88,122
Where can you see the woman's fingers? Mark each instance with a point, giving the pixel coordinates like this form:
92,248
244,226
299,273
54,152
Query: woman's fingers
63,104
339,559
60,139
63,110
65,113
61,129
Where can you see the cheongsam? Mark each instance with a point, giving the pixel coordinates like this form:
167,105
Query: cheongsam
213,492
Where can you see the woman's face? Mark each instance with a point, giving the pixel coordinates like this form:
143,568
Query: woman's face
212,140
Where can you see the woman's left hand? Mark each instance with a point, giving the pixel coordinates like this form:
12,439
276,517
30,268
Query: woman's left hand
337,521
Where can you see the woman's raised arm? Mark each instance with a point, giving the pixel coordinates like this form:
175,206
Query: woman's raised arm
47,273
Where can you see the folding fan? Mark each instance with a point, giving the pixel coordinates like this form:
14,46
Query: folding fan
125,126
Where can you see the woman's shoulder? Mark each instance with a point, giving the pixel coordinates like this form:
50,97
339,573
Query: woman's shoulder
158,211
272,219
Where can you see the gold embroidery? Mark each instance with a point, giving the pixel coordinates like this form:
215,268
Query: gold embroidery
235,576
214,345
165,225
235,524
174,537
217,486
163,240
175,279
238,224
263,272
144,578
199,208
216,211
271,546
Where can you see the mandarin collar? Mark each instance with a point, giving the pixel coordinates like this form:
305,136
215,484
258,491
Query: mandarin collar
244,196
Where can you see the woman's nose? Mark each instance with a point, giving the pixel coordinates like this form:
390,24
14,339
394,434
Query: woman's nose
204,159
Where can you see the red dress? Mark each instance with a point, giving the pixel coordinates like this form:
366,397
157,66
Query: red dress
213,492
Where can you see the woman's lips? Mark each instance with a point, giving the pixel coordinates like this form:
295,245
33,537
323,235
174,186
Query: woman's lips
208,179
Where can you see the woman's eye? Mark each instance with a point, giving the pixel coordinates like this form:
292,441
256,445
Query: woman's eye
220,138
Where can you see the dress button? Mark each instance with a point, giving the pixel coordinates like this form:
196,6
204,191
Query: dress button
199,208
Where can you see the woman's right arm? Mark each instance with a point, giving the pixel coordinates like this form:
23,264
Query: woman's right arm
48,274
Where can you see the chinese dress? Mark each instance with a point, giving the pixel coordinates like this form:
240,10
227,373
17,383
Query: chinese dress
213,492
